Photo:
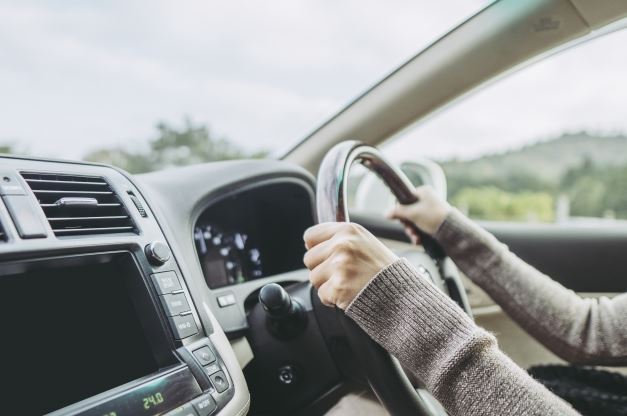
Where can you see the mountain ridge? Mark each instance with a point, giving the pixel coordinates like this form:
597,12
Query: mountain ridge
548,160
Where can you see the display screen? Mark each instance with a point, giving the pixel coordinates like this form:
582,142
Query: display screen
229,256
253,234
68,333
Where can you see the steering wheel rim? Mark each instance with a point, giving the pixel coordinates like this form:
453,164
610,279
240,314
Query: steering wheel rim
384,373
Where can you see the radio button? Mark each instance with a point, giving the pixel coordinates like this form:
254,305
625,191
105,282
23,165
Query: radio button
212,368
175,304
204,405
185,410
166,282
183,326
204,355
219,381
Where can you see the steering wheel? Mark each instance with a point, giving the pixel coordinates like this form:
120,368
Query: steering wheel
384,373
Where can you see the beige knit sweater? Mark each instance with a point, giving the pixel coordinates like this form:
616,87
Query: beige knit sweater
459,362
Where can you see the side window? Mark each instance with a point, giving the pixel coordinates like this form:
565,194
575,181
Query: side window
545,144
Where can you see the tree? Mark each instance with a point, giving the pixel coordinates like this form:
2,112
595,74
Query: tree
173,147
11,149
490,203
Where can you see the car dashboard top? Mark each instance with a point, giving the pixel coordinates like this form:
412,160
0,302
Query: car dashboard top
128,284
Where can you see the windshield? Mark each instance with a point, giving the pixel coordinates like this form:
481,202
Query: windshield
151,85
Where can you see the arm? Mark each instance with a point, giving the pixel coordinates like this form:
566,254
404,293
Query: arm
586,331
459,362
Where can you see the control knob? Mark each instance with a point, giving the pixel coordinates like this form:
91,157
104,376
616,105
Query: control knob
158,253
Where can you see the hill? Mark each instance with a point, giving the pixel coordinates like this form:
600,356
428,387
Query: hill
587,173
548,160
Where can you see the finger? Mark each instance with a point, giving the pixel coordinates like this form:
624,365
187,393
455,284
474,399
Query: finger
320,275
318,253
421,191
410,231
326,295
321,232
398,212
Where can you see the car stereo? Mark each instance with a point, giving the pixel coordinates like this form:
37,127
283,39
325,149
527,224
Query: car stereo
93,334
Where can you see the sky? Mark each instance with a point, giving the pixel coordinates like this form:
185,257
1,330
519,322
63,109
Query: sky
79,75
76,76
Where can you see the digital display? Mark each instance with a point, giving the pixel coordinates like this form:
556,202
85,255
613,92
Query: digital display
68,334
231,257
253,234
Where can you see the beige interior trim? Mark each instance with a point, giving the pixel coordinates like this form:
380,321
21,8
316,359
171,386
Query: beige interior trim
500,38
242,350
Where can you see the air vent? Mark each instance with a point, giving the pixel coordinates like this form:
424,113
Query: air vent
79,205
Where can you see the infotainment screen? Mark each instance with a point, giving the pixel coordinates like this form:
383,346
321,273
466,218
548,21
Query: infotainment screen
68,333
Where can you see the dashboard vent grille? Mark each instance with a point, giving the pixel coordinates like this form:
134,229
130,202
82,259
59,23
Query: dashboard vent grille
79,205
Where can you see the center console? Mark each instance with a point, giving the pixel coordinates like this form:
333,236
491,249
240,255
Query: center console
98,320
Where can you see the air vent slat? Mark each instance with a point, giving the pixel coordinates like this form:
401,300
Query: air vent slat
111,217
98,230
98,206
48,181
79,205
48,191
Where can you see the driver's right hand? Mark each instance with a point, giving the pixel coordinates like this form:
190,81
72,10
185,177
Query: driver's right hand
427,214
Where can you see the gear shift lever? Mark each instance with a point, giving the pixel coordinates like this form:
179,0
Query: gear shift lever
285,317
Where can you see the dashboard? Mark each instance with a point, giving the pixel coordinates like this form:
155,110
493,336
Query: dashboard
139,295
111,285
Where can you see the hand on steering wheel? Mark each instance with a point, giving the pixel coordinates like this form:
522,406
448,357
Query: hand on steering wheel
427,214
343,257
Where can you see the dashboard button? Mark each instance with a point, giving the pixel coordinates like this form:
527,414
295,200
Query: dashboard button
175,304
204,355
204,405
219,381
185,410
166,282
183,326
212,368
226,300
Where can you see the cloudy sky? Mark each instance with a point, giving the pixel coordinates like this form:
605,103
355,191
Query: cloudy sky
79,75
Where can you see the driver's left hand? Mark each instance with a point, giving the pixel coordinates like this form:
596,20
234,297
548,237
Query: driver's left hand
342,258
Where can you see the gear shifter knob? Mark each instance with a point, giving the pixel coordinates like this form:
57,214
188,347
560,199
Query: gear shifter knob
276,301
286,318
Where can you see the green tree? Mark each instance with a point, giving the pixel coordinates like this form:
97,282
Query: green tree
490,203
10,148
173,147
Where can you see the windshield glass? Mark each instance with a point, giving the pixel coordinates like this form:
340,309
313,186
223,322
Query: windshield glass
157,84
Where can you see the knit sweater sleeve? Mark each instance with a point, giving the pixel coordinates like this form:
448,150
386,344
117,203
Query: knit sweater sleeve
583,331
459,362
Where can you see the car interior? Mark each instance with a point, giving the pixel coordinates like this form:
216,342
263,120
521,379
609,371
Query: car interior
183,291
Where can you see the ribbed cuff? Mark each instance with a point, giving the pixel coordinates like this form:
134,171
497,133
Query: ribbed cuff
415,321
